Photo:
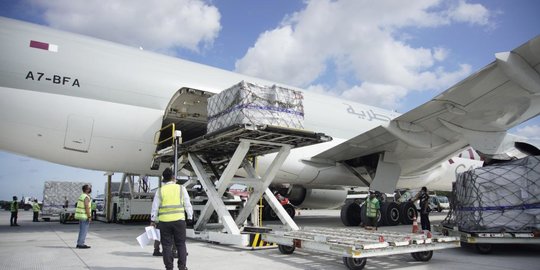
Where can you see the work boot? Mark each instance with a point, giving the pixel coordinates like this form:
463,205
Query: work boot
157,253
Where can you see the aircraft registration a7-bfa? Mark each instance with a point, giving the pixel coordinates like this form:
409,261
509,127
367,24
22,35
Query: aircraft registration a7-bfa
93,104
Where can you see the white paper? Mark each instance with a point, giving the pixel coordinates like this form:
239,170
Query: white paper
153,233
149,236
143,239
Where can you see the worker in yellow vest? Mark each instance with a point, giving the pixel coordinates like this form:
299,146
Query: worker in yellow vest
83,214
35,208
170,206
94,209
14,212
372,211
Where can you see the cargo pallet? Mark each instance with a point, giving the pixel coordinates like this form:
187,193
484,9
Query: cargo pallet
484,241
356,245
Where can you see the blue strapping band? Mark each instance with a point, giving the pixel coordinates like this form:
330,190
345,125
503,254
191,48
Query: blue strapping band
502,208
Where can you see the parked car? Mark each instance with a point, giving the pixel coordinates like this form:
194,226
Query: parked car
444,202
435,204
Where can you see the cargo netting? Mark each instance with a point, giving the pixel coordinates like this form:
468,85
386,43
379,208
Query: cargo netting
497,198
248,103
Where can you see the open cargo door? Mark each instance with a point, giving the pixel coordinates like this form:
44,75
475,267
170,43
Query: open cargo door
187,111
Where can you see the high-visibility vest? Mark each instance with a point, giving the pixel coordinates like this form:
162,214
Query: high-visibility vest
172,203
80,211
371,205
36,207
14,206
94,206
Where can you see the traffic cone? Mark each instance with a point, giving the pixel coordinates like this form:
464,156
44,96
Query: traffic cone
414,225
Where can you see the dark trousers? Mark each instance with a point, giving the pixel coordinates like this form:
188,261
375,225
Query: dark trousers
13,219
36,215
173,233
158,243
424,220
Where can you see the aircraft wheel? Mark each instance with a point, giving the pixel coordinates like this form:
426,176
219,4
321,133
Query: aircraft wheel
351,214
422,256
407,213
286,249
271,214
290,210
354,263
390,213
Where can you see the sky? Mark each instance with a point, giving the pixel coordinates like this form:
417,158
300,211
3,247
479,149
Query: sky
388,53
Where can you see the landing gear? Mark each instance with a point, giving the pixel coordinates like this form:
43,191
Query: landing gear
290,210
407,212
351,214
269,214
390,213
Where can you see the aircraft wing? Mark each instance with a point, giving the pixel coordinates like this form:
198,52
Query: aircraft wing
477,111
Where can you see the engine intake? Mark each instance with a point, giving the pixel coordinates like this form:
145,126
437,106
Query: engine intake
317,198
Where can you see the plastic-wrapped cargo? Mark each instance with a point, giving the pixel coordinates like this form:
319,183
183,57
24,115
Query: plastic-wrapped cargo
55,194
248,103
499,198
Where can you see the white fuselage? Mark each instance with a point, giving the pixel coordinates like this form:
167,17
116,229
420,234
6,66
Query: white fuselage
94,104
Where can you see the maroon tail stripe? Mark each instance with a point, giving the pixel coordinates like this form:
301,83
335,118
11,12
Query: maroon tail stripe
39,45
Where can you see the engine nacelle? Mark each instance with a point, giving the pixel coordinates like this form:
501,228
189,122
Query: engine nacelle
316,198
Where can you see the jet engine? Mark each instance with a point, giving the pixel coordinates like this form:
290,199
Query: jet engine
317,198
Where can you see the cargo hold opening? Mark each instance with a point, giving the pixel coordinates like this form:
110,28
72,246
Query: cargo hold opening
187,110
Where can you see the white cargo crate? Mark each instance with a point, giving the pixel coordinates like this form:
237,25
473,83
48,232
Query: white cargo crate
248,103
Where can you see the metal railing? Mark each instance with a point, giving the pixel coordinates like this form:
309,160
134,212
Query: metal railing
158,142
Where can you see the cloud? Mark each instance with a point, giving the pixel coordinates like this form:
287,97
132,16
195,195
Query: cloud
158,25
385,95
529,131
470,13
364,45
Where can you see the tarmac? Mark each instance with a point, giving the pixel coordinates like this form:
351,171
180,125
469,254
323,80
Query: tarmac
51,245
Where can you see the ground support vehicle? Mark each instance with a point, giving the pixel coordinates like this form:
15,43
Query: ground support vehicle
131,205
356,245
127,209
485,241
231,148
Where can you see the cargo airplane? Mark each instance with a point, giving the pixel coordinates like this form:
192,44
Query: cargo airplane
94,104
